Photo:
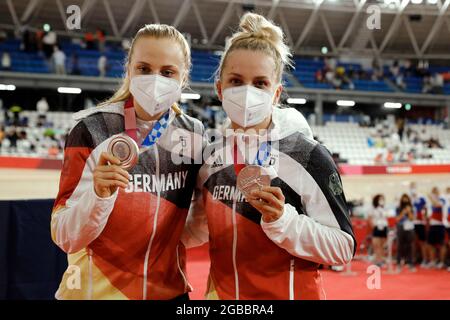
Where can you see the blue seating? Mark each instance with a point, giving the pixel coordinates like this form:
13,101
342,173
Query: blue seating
306,70
204,66
413,84
447,89
370,85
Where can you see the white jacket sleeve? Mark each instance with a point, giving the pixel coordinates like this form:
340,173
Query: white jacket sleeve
196,228
305,238
78,224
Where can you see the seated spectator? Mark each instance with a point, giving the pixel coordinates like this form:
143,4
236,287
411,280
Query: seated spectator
446,76
126,44
329,76
23,144
409,68
395,69
433,143
53,151
319,76
16,110
12,137
100,34
437,84
42,109
89,41
377,74
378,159
330,63
390,157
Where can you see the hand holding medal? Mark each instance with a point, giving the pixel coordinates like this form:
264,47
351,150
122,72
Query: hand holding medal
108,175
269,201
252,178
123,153
126,150
254,182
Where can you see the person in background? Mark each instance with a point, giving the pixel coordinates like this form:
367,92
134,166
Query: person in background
405,233
3,35
379,223
49,41
437,83
420,220
23,144
395,68
125,44
42,109
102,65
39,41
16,110
59,61
400,82
436,235
5,112
100,34
447,221
6,61
12,136
2,135
28,40
89,40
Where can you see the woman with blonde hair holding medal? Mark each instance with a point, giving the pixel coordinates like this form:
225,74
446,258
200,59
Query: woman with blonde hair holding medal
276,211
123,201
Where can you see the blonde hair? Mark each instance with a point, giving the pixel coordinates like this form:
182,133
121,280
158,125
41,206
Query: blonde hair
256,33
158,31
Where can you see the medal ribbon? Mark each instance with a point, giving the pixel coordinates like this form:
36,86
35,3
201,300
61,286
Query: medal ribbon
131,128
261,156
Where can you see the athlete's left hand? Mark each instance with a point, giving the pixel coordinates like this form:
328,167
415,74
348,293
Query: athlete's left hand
269,201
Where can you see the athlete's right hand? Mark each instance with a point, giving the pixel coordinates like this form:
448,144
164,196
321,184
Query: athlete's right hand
108,176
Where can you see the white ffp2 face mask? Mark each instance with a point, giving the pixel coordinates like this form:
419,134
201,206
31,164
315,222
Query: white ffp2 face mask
246,105
155,93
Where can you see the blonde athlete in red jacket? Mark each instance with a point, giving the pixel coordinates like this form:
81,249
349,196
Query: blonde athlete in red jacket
270,245
121,230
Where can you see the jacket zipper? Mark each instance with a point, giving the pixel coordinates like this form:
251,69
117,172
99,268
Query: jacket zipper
236,276
155,221
90,280
291,279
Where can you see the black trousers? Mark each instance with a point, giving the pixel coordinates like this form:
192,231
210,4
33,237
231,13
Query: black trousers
405,241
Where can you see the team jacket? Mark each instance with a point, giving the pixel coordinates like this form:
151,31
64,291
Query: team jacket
126,246
420,209
447,201
437,213
251,259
